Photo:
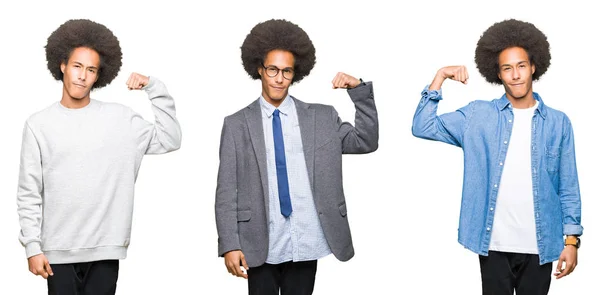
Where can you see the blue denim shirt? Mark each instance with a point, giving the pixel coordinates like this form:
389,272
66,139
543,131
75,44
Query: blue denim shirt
482,129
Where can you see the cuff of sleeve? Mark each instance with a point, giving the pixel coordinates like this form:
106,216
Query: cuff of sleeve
151,84
363,90
431,94
572,230
32,249
229,245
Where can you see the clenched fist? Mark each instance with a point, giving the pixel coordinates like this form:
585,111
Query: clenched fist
346,81
137,81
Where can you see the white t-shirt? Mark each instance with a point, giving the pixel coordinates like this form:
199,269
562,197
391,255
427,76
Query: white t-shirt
514,220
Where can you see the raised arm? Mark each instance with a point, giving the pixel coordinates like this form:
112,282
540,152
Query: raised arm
164,135
450,127
363,137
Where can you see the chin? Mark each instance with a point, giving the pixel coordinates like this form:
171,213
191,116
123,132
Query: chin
81,95
519,95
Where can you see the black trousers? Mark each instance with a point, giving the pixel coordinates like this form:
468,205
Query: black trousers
502,273
292,278
87,278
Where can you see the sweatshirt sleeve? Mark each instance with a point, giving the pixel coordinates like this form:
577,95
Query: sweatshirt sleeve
30,193
164,135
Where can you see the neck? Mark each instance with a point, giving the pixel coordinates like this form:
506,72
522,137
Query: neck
523,102
274,102
72,103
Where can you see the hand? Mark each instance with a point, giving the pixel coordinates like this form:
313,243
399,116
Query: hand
234,260
456,73
39,266
137,81
346,81
569,258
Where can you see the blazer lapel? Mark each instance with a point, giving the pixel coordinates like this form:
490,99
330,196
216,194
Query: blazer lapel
255,127
306,120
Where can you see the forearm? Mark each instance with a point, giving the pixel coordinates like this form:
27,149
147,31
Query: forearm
30,216
570,203
437,82
226,220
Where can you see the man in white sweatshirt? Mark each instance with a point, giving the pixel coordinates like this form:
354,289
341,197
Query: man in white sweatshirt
79,162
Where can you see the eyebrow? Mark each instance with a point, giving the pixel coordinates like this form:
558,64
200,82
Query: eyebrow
518,63
91,67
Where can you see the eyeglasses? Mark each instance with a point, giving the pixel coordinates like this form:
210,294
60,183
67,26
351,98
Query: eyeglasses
273,71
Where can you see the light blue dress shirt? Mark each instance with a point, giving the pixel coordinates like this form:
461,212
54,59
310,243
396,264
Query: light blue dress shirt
300,236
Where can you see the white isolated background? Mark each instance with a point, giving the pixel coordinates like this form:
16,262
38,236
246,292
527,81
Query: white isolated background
403,200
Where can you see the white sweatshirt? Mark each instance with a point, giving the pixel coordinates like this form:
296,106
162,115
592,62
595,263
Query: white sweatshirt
78,171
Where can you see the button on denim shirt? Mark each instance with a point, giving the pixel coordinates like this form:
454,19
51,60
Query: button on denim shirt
482,129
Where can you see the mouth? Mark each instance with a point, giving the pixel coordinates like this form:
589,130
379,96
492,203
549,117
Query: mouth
278,88
79,85
517,84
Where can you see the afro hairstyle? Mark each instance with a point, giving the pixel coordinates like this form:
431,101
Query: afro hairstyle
506,34
282,35
77,33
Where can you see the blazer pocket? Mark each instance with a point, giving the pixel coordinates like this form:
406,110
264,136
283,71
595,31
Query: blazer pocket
343,211
552,158
244,215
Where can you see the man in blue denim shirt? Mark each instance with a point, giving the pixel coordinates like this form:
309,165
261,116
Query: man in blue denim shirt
514,220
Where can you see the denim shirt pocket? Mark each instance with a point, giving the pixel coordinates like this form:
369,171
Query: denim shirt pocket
552,158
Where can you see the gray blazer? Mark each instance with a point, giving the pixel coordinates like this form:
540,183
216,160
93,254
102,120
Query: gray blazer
242,193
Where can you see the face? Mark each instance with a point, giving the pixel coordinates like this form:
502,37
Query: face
275,89
80,73
516,73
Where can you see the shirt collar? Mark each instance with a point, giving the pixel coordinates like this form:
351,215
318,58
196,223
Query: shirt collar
504,103
285,107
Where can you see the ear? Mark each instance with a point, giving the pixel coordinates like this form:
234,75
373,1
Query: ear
260,71
532,69
63,66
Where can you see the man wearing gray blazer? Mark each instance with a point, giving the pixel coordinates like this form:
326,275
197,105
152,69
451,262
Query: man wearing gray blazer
280,203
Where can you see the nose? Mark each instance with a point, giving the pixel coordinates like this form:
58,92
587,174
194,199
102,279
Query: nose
279,77
516,74
82,75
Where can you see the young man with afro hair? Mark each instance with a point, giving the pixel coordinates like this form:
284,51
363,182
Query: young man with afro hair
280,204
79,162
520,186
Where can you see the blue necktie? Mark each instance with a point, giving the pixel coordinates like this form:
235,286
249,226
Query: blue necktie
282,178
